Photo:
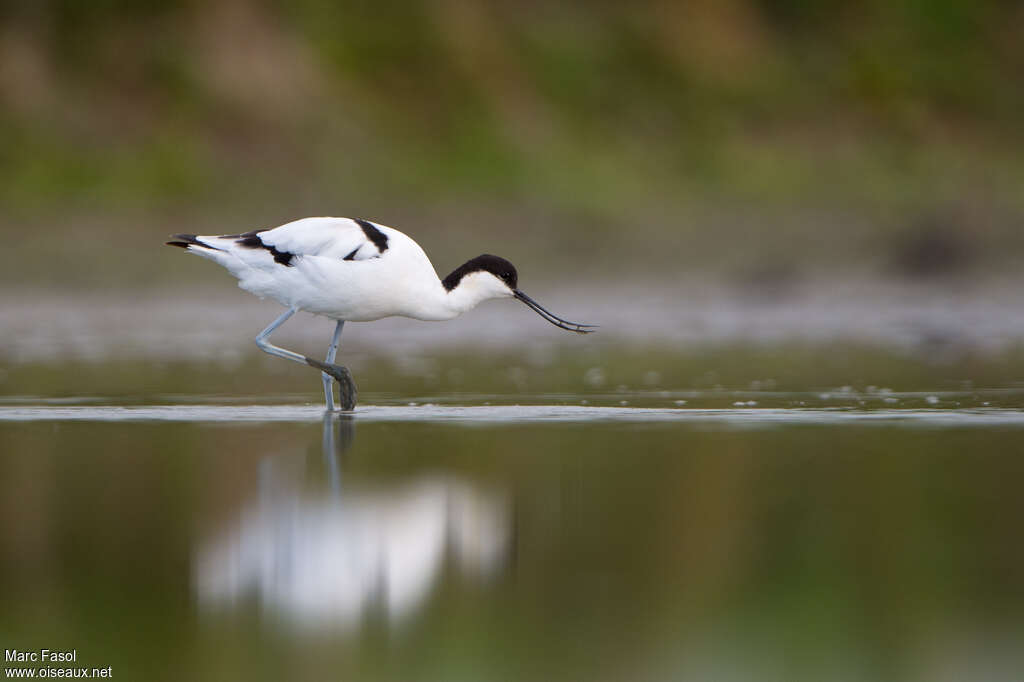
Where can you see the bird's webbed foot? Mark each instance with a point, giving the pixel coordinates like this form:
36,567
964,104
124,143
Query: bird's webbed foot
347,391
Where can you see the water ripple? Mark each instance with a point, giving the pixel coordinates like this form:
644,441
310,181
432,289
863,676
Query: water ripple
514,414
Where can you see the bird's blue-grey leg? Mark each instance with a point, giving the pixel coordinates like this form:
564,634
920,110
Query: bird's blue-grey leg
346,386
267,347
332,351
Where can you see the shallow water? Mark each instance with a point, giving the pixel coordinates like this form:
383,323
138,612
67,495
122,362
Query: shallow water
460,540
516,414
607,511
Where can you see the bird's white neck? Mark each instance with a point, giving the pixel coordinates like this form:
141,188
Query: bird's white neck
470,292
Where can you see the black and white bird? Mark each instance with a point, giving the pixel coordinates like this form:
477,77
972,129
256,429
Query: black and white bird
354,270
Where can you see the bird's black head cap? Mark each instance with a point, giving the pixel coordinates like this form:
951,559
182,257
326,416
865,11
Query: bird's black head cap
496,265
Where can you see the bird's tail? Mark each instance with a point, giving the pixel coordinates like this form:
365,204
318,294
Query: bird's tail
187,240
211,248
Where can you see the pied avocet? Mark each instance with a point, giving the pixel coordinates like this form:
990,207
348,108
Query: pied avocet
354,270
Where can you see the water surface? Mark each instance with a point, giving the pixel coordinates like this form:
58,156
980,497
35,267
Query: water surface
176,508
440,541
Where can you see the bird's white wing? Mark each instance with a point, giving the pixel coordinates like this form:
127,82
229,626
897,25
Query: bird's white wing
344,238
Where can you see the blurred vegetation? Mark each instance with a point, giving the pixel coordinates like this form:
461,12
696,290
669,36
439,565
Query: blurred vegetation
742,136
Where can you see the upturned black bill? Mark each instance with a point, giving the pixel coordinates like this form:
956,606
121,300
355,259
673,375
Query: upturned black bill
552,318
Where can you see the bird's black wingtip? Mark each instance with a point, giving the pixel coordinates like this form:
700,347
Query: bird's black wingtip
183,240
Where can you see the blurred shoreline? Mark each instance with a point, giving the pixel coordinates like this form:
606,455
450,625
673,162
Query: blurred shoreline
202,323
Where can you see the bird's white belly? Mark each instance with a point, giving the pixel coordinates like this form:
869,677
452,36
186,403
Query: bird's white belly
356,292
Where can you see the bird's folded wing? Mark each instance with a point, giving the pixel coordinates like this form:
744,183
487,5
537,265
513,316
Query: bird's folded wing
342,238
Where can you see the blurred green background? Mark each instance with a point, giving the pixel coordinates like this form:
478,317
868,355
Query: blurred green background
801,215
752,140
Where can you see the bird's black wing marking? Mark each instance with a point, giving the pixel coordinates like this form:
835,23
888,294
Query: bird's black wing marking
187,240
379,239
352,254
251,240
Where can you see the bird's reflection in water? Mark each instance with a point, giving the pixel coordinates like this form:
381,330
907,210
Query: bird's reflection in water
337,556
